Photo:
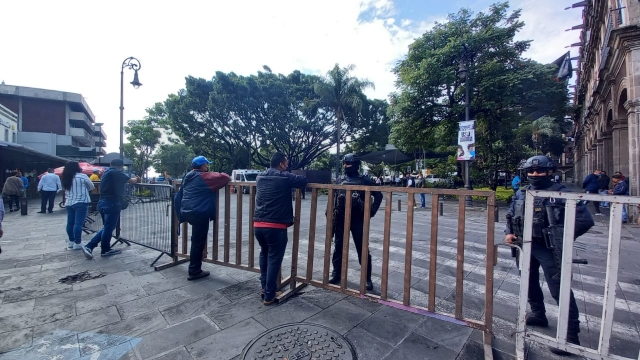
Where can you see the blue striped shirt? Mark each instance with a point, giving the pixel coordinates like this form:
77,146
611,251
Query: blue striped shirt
79,191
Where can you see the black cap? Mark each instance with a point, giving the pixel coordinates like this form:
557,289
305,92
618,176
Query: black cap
540,162
117,162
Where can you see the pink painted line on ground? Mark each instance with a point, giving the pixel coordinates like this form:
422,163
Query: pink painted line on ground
421,312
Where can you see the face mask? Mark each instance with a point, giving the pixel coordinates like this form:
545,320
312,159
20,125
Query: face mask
540,182
351,171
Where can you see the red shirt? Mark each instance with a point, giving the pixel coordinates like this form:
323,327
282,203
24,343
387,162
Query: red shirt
269,225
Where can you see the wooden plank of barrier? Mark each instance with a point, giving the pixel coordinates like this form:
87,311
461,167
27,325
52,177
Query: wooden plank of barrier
345,239
408,251
239,197
185,238
227,222
488,284
386,244
460,256
252,209
433,253
296,239
312,232
216,229
364,263
328,237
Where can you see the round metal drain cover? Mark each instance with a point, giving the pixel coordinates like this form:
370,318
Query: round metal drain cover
299,341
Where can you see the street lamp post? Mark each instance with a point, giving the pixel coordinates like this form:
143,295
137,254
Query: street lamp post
133,64
464,73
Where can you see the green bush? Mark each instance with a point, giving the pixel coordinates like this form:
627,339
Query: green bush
502,194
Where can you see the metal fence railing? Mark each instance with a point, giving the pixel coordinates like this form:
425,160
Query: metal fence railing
612,267
148,219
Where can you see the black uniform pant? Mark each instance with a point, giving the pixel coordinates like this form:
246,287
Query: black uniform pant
356,232
199,231
541,256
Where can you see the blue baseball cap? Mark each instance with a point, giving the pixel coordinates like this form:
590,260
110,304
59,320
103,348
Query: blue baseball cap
199,161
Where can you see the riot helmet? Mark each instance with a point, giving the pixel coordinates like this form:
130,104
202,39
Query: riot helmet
354,164
351,159
541,165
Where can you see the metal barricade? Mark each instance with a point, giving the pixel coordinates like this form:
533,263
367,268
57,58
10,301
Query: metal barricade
93,221
244,251
148,219
612,265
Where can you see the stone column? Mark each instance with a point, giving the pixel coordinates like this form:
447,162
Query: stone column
607,153
600,154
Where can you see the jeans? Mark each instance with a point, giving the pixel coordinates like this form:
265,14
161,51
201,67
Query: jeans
47,196
76,214
422,200
110,213
543,257
356,232
14,199
273,243
199,233
624,213
604,204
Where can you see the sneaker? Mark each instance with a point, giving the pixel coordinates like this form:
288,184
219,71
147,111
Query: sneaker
199,275
537,320
41,212
369,285
111,252
77,246
87,252
10,210
335,280
70,245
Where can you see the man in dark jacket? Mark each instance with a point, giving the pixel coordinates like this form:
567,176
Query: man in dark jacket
620,188
196,201
272,216
591,186
351,164
603,186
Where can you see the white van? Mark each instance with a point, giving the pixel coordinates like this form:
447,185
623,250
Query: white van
243,175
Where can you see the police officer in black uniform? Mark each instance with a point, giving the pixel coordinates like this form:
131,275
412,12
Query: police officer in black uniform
351,164
539,171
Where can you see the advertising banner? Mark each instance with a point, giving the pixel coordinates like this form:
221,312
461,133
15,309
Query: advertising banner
466,140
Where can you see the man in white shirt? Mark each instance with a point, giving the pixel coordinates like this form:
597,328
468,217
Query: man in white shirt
48,187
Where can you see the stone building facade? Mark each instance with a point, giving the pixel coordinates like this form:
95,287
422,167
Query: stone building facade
607,96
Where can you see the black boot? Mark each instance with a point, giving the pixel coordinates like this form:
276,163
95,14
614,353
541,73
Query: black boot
536,319
572,338
369,285
335,278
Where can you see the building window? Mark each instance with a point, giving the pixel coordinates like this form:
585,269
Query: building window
620,12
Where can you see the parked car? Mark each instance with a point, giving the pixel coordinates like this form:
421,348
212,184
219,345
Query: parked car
243,175
432,179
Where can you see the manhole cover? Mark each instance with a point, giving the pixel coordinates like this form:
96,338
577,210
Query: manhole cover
300,341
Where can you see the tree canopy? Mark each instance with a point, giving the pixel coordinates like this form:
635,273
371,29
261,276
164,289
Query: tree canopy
506,90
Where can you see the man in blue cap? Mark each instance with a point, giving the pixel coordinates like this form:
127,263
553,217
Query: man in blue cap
195,203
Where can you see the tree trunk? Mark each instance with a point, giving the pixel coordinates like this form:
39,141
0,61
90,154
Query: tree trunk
338,162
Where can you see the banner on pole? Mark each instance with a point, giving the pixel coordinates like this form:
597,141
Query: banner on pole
466,140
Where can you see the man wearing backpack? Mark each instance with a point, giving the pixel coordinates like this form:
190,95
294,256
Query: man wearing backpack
195,203
539,172
351,165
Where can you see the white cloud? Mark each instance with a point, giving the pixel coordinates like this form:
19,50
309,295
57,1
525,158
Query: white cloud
78,46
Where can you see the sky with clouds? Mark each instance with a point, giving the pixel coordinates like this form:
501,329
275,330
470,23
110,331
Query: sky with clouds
78,45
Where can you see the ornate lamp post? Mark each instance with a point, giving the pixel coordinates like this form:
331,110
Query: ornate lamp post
133,64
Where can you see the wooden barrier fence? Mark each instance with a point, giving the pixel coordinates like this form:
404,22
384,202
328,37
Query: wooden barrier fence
295,281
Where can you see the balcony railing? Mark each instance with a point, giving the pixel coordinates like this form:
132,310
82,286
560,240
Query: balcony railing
80,120
82,136
605,43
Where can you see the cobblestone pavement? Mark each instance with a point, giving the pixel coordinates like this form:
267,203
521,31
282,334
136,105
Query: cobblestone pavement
134,312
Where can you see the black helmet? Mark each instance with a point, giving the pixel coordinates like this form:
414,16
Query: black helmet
351,159
539,162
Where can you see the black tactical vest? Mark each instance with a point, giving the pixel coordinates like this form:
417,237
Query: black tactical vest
357,197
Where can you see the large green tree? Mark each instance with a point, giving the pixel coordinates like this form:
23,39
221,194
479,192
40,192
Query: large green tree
143,137
343,94
174,159
505,88
244,119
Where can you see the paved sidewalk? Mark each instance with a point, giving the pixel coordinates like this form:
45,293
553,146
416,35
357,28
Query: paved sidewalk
134,312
